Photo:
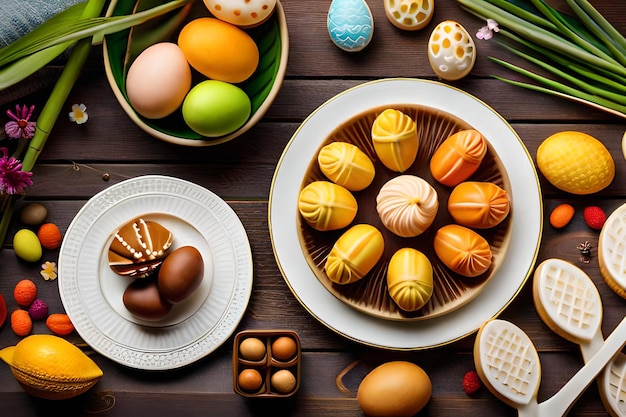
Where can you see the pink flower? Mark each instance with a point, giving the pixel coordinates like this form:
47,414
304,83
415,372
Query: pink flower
12,179
20,127
486,32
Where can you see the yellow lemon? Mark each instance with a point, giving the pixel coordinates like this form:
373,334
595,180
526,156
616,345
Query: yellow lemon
575,162
50,367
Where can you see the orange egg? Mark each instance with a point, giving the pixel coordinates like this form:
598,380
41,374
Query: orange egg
250,380
284,348
219,50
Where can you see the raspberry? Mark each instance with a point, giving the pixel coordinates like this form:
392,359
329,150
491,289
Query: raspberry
594,217
38,310
471,382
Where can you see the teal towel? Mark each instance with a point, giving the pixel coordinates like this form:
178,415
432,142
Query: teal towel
18,17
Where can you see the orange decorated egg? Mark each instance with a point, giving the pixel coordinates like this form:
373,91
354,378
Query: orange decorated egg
479,205
462,250
458,157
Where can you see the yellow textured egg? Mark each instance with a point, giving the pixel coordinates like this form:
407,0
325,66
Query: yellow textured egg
219,50
410,279
354,254
327,206
395,139
158,80
347,165
394,389
576,162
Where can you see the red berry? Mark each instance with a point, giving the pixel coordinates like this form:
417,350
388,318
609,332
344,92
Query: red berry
38,310
471,382
594,217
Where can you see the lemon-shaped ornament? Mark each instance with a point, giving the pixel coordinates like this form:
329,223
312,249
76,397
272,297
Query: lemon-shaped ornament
50,367
575,162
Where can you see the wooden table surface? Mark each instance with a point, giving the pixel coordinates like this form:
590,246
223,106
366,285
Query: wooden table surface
70,171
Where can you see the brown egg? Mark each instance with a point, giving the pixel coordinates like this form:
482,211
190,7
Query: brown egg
142,299
283,381
252,348
250,380
181,274
284,348
394,389
33,214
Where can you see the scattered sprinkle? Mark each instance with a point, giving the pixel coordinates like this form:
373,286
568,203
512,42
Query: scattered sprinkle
20,127
48,271
25,292
594,217
471,382
79,114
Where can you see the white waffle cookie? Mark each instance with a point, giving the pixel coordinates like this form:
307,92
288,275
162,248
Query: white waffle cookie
612,251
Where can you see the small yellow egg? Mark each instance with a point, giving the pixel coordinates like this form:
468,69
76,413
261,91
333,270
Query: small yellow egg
283,381
451,51
27,246
284,348
252,349
250,380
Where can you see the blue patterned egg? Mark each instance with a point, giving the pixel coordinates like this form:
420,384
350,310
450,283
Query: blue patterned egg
350,24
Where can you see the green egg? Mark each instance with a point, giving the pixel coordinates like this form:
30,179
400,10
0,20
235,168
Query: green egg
216,108
27,246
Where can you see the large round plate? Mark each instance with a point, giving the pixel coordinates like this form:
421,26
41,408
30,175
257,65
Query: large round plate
91,292
525,228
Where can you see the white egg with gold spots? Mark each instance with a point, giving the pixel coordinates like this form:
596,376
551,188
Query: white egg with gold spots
451,51
243,13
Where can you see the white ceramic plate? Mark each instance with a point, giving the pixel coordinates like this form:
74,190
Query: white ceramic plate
405,335
92,293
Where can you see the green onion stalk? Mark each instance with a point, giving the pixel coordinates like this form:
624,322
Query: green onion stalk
42,45
584,55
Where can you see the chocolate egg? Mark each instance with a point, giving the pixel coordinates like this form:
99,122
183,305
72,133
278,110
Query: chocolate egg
181,274
33,214
142,299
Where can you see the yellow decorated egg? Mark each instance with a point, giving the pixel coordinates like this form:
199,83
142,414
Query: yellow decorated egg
410,279
410,14
347,165
327,206
354,254
395,139
451,51
158,80
219,50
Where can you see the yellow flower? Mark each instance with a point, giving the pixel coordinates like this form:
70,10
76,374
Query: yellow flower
49,271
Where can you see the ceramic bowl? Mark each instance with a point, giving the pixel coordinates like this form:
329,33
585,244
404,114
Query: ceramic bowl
262,87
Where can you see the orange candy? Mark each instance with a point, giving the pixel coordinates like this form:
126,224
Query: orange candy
561,215
21,322
50,236
59,324
25,292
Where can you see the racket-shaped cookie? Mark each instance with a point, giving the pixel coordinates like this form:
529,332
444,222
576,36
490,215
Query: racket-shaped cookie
568,302
508,364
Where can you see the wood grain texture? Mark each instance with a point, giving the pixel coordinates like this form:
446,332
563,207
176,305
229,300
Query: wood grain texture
70,171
